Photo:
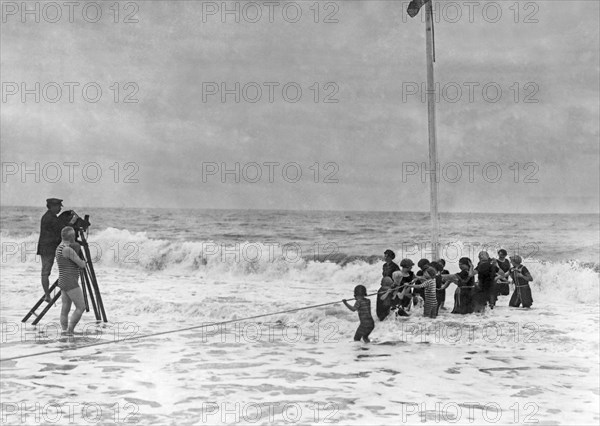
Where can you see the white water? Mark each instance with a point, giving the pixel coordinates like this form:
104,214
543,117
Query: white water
303,365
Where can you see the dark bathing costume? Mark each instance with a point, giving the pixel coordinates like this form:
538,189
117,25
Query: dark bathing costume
382,307
486,272
522,294
463,296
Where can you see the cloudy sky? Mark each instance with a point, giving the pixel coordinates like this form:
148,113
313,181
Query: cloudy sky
528,143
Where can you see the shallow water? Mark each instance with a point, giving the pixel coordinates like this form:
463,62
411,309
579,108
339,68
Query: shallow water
509,365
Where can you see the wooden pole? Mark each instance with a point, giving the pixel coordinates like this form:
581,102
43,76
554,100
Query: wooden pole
433,195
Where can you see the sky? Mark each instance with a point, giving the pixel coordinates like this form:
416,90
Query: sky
340,122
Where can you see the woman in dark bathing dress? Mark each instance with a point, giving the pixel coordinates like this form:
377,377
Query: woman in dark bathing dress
503,273
486,292
521,278
463,296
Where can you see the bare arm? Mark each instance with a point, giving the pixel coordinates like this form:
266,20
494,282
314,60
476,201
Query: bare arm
352,308
422,285
451,278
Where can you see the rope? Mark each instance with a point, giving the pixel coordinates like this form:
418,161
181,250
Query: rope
160,333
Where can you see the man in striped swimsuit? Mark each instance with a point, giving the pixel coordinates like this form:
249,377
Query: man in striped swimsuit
69,264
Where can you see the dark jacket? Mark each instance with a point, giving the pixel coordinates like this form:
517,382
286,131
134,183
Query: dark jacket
50,228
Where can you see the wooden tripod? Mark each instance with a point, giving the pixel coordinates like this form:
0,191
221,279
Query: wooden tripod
89,285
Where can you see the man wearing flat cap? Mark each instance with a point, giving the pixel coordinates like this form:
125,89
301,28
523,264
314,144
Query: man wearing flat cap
50,238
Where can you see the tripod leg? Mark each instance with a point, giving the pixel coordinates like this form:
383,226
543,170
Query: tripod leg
94,283
92,275
41,315
83,283
39,303
100,303
91,293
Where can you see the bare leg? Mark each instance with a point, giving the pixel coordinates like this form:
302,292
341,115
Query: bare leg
64,312
366,335
76,295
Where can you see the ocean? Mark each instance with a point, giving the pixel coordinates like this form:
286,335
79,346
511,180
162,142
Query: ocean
162,270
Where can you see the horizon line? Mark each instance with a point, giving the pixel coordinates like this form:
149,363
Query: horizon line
315,210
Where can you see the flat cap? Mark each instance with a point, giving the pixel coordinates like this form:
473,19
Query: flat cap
52,201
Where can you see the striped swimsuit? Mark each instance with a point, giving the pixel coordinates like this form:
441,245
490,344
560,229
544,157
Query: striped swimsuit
430,308
68,271
367,324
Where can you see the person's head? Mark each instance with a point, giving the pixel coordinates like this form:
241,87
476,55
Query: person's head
437,266
389,255
516,260
68,234
429,272
360,291
422,264
502,254
386,282
442,262
406,264
484,255
54,205
464,263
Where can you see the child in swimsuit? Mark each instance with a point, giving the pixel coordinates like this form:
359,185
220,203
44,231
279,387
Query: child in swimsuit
363,306
430,307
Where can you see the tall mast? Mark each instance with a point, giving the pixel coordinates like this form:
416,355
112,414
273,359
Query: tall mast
433,193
